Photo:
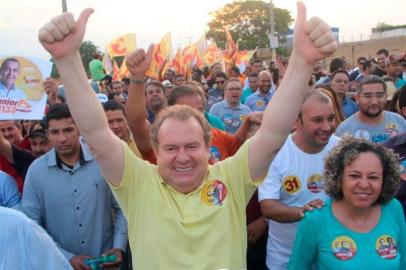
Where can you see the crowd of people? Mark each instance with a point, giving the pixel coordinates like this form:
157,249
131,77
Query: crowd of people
275,168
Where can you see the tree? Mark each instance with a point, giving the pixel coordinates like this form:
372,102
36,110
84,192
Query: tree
86,53
381,27
248,22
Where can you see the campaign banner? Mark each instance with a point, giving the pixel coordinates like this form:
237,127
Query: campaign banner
22,95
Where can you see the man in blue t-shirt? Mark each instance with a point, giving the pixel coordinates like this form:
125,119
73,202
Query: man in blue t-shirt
230,110
371,122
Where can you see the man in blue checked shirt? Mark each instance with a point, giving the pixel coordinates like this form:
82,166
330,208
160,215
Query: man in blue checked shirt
65,192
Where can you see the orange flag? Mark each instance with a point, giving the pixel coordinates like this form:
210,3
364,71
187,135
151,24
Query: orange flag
115,50
160,56
115,71
212,55
231,48
177,63
122,45
242,59
192,57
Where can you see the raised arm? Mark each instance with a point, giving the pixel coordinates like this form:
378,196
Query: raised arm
5,149
137,63
313,41
62,37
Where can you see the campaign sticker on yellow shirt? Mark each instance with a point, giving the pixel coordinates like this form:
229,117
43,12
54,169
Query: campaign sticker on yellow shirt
344,248
213,193
314,183
386,247
291,184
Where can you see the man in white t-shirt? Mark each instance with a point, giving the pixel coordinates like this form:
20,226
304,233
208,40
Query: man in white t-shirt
294,181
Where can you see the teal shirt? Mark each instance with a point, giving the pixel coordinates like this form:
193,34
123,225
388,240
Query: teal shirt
247,91
214,121
323,240
400,83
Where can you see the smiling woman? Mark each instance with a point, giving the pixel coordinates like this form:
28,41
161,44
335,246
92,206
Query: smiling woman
363,227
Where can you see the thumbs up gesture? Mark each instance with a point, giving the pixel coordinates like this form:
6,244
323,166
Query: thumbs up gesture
138,62
62,36
313,40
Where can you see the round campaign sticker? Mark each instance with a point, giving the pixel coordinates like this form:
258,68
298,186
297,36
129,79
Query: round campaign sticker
344,248
291,184
363,134
227,119
213,193
391,129
314,183
386,247
260,104
242,117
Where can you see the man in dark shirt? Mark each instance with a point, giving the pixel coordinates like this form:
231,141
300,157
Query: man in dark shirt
21,158
398,145
11,134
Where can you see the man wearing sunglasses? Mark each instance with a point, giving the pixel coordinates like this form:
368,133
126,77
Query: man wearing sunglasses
217,93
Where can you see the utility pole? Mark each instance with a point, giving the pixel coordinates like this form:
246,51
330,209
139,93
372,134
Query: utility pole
272,35
190,39
64,6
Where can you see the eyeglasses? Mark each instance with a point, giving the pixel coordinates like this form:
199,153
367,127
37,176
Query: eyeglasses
219,82
373,95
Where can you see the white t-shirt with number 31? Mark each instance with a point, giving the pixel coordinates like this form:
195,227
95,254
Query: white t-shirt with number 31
294,178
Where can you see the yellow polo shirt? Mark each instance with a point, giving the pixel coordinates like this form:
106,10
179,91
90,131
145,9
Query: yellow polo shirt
205,229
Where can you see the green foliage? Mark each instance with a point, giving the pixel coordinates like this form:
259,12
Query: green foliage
381,27
248,22
86,53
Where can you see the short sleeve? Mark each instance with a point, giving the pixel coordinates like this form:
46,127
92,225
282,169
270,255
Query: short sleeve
271,187
236,171
131,182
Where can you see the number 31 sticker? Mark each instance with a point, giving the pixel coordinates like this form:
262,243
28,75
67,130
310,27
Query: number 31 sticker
291,184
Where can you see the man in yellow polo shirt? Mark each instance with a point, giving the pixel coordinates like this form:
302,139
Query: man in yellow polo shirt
183,213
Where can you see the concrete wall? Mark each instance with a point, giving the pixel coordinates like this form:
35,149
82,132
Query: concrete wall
368,48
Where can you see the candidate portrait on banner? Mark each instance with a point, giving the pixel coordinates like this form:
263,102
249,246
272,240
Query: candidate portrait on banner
22,95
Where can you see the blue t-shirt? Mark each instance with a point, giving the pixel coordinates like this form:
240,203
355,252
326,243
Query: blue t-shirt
257,102
232,117
324,242
392,125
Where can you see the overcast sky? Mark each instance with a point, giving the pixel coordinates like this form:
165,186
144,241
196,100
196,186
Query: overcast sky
185,19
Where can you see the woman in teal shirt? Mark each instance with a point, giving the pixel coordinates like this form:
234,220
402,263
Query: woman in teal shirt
361,226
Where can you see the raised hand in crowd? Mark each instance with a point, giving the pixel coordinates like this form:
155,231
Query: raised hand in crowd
51,89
